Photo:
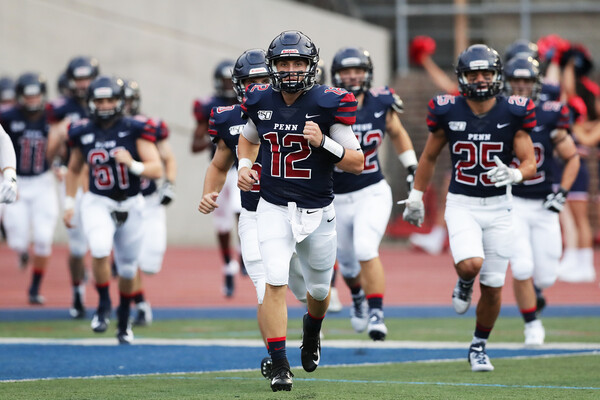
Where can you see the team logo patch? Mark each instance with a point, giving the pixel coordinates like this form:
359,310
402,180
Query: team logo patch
17,126
457,125
264,115
87,139
236,130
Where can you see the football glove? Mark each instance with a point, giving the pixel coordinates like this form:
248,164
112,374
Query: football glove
166,193
556,201
8,188
414,213
503,175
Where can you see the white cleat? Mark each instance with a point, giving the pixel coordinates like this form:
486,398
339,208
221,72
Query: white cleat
461,297
359,313
479,360
534,333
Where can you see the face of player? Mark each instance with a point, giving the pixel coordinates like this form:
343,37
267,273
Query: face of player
352,76
521,86
483,79
262,80
81,87
291,65
106,104
33,102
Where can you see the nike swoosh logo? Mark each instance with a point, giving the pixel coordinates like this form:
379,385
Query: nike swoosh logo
318,357
500,126
477,348
538,128
122,134
278,348
311,211
329,220
308,116
379,114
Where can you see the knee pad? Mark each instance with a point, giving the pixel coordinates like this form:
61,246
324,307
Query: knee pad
349,269
545,281
319,292
42,249
151,263
492,279
521,269
126,270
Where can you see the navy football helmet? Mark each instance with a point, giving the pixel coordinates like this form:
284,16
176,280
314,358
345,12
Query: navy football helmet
523,66
479,57
31,84
352,57
292,44
132,97
222,80
106,87
521,46
251,64
320,75
7,90
62,84
81,67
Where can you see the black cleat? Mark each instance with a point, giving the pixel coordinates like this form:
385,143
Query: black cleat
229,286
282,379
77,311
144,314
266,366
125,336
100,321
310,353
36,299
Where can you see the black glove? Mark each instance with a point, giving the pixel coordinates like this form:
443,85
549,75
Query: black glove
410,177
166,193
556,201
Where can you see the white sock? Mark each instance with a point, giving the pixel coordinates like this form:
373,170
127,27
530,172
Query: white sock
477,340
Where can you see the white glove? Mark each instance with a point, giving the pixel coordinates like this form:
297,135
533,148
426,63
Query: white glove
503,175
166,193
414,213
8,187
556,201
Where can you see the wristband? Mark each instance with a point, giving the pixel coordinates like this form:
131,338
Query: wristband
136,167
518,176
69,203
415,196
10,174
408,158
336,149
245,163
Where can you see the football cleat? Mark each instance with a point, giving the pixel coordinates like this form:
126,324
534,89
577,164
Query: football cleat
125,336
282,379
479,360
266,366
376,327
36,299
461,297
100,321
144,314
534,333
229,286
310,353
77,311
359,312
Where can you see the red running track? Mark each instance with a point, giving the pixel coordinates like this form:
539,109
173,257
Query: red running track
192,277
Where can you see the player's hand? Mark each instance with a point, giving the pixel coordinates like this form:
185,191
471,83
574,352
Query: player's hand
556,201
421,47
313,133
123,156
503,175
410,177
247,177
8,189
68,217
208,203
414,213
166,192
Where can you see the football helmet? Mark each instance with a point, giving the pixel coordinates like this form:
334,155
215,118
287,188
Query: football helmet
320,75
62,84
479,57
81,67
222,80
31,84
523,66
521,46
292,44
352,57
106,87
251,64
7,89
132,97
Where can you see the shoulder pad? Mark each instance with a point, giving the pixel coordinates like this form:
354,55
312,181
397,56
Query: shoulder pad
518,105
441,104
388,97
552,106
79,127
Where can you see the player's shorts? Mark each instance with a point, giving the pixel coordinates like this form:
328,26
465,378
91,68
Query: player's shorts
33,215
155,235
230,203
362,217
102,231
537,244
481,227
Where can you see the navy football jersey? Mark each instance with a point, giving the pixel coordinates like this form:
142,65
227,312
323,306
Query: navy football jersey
226,124
30,140
369,130
293,170
161,131
474,141
550,115
203,108
98,146
64,107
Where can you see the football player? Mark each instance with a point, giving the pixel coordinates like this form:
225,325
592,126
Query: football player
302,130
225,127
363,203
8,167
536,206
36,209
483,129
118,150
229,198
7,92
156,199
80,72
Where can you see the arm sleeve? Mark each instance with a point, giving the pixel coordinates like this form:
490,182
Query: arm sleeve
344,135
7,151
250,132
